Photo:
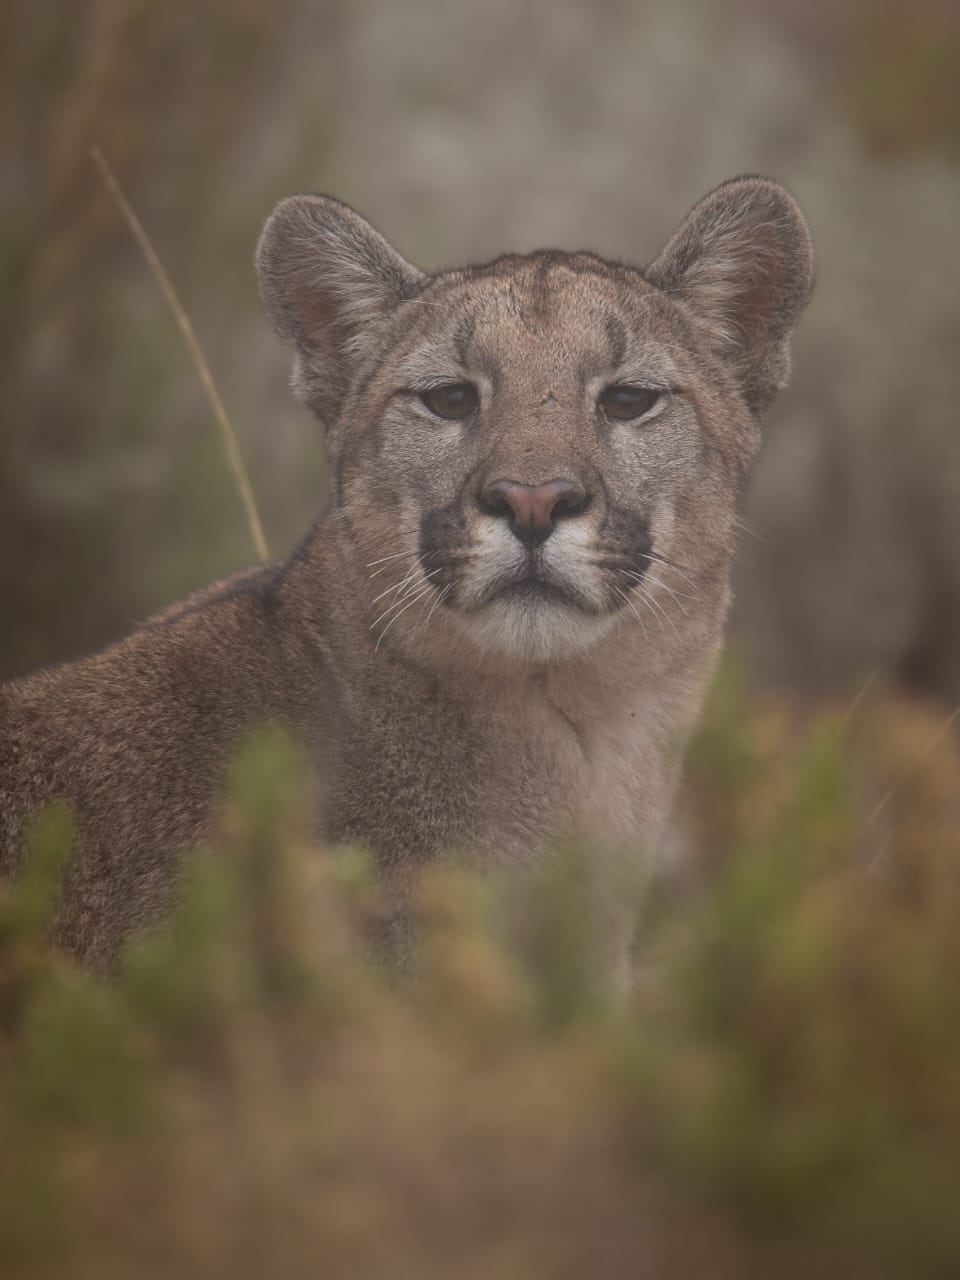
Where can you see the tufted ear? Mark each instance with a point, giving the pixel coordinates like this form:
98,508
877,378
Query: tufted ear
743,262
327,277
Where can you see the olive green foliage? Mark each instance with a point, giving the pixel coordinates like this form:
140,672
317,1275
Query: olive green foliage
779,1096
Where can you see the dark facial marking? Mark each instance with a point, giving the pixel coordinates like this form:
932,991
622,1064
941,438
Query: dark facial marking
442,539
616,339
515,305
624,552
624,545
541,289
463,337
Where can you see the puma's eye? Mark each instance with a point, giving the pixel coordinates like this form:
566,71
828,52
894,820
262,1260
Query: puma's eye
453,400
624,402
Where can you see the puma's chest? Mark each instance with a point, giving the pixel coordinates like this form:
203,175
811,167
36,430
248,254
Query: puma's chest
500,778
601,781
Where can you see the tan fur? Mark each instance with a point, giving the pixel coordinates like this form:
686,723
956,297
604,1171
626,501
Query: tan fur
456,688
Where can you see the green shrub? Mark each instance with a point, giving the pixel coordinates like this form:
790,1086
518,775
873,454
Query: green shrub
780,1095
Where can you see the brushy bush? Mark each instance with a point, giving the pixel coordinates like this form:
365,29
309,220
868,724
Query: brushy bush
779,1097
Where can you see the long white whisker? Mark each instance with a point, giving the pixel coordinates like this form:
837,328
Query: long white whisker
408,605
656,606
670,591
631,605
405,589
410,582
406,581
652,555
748,529
377,572
423,601
439,600
676,595
366,536
649,577
414,555
396,556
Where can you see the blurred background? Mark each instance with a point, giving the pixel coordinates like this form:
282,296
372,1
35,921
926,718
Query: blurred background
463,130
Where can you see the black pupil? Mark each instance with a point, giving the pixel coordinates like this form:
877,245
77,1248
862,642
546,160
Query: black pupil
455,400
628,402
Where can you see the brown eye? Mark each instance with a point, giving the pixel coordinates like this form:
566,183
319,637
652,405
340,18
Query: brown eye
454,400
623,402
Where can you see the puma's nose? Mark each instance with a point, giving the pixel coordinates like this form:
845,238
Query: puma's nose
533,509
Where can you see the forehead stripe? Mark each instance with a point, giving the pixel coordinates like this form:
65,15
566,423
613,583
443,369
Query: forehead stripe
616,338
463,336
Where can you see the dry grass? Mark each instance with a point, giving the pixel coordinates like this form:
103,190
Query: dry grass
184,324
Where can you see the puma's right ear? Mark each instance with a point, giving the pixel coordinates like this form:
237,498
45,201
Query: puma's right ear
743,262
327,277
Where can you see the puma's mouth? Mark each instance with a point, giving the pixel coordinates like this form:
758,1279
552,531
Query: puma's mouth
531,617
533,590
528,609
534,584
532,602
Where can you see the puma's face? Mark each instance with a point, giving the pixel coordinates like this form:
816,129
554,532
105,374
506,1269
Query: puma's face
533,444
535,450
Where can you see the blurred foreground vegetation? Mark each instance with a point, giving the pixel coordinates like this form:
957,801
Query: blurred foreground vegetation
781,1097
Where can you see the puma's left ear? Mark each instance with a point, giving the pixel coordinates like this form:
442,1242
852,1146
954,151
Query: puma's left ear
743,262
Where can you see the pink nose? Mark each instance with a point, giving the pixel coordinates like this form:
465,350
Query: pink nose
533,509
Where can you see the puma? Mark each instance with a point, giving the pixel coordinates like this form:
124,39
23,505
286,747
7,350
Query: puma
499,634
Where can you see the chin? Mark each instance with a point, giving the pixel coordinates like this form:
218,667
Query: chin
534,630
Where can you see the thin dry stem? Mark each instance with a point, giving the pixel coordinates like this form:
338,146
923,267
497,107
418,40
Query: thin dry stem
190,338
923,759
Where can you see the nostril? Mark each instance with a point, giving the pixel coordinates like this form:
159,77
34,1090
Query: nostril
493,501
570,501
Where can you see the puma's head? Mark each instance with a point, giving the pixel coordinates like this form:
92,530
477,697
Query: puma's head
539,449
